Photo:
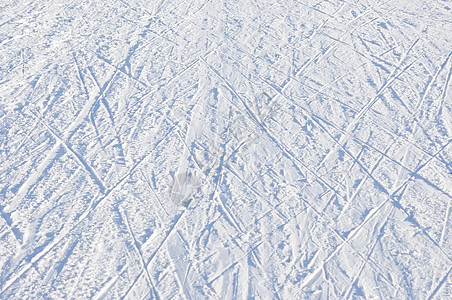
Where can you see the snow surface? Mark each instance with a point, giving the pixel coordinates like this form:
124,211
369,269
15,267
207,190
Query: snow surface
225,149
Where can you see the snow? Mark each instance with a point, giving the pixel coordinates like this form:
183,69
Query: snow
225,149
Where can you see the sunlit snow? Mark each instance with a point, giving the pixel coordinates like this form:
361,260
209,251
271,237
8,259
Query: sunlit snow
225,149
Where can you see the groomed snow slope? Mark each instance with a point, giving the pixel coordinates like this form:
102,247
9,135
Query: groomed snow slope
225,149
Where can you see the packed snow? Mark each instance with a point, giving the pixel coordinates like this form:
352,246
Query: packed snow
226,149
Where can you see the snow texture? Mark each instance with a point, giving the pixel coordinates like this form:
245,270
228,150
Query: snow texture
227,149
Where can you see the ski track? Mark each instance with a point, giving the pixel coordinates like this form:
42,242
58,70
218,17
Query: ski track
314,138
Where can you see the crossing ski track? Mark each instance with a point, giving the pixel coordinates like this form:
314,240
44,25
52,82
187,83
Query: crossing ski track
309,144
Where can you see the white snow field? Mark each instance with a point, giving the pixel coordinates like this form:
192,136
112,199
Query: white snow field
225,149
